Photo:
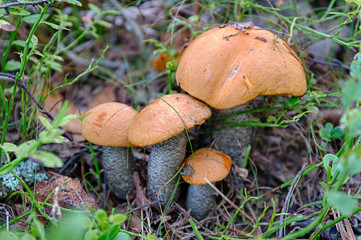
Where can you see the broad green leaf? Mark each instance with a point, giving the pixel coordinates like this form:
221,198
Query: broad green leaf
60,139
293,100
337,133
101,216
352,122
19,11
122,236
48,159
353,160
27,236
342,202
26,148
12,65
351,92
329,127
91,235
37,228
33,18
117,219
9,147
8,235
356,66
325,134
21,43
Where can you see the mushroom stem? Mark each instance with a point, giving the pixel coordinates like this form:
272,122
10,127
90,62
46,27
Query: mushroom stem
118,166
200,200
165,160
233,141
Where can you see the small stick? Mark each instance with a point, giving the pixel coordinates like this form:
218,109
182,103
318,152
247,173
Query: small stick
25,3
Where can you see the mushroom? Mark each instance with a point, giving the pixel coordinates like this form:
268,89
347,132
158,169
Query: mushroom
107,125
228,66
205,163
162,124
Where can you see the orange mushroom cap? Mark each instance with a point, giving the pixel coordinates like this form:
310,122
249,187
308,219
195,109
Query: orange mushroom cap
166,117
108,124
227,73
207,163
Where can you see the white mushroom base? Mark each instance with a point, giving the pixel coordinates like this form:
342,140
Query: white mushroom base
118,170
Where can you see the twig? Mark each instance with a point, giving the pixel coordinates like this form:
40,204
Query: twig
177,206
25,3
23,86
334,63
233,205
288,197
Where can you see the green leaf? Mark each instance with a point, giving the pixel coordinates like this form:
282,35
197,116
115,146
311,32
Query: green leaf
26,148
8,235
329,127
103,23
19,11
293,100
351,92
46,123
27,236
355,1
325,134
12,65
61,114
9,147
91,235
37,228
101,216
356,66
95,8
333,160
67,119
122,236
21,43
342,202
117,219
337,133
55,26
352,158
74,2
48,159
8,167
33,18
110,12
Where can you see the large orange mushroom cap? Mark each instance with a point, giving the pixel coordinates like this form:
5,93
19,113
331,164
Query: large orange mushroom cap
227,73
207,163
108,124
167,117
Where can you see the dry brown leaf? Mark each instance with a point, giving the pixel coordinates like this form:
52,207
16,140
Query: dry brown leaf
104,96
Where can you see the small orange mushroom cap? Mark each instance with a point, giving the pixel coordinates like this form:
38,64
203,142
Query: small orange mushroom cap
167,117
108,124
207,163
227,73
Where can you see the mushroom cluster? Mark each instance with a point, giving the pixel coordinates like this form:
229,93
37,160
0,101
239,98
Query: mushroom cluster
225,67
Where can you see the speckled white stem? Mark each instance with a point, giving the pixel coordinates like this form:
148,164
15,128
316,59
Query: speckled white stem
233,141
200,200
165,160
118,170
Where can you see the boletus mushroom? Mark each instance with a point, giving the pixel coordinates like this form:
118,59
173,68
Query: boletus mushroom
107,125
162,124
228,66
205,163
